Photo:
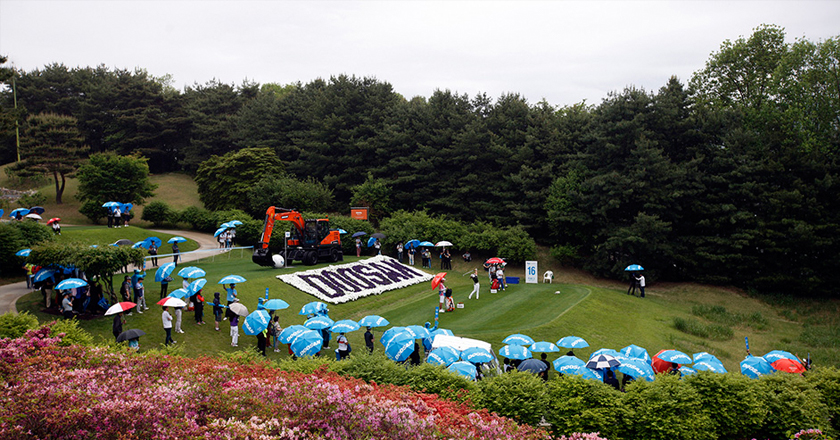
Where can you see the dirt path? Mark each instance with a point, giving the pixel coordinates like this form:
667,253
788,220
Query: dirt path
10,293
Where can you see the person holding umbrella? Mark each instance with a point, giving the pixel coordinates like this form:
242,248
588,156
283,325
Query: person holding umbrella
231,294
67,305
358,247
198,300
234,329
640,280
153,252
369,339
167,325
217,309
175,250
117,327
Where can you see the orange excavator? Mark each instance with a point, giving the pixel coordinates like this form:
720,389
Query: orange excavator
310,240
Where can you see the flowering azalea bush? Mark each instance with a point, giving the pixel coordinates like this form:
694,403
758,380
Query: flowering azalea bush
51,391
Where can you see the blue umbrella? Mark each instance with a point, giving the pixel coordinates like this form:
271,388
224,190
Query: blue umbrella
686,371
125,207
465,369
709,365
164,271
291,333
312,308
514,352
419,332
755,367
43,274
426,243
675,356
2,212
154,240
307,343
256,322
140,244
176,240
341,231
602,361
235,223
219,231
637,368
318,323
232,279
567,364
702,356
572,342
587,373
544,347
191,272
358,234
345,326
373,321
636,352
518,339
71,283
196,285
371,241
227,225
23,252
276,304
608,351
110,204
396,333
442,331
37,210
399,349
477,355
20,211
443,356
633,268
179,293
775,355
411,244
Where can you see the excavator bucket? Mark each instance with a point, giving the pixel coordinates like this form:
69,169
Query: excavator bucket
262,257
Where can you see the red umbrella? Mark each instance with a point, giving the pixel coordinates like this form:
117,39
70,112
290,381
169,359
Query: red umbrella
661,366
54,219
171,302
437,279
119,308
788,366
495,260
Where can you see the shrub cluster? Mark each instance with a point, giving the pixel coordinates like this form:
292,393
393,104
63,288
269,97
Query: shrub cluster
15,236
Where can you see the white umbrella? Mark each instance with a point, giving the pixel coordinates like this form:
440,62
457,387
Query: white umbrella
172,302
239,309
443,243
33,216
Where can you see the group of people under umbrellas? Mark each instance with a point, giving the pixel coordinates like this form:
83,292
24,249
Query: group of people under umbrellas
119,214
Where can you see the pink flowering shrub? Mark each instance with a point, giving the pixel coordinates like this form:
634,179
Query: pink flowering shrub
55,392
809,434
581,436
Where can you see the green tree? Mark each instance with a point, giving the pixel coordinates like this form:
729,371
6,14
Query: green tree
287,192
108,176
375,194
52,145
224,181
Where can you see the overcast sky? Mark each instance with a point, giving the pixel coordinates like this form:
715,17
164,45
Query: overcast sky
562,51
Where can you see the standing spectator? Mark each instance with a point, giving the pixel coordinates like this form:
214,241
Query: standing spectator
117,217
179,314
232,233
544,373
415,355
175,250
117,326
125,289
446,259
378,246
198,307
343,346
641,281
153,252
411,253
358,247
164,286
217,309
221,239
140,296
125,218
400,252
30,269
234,330
261,337
46,290
500,275
229,244
167,325
369,339
277,329
474,278
231,294
110,218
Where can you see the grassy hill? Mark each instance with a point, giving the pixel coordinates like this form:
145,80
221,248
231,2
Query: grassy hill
599,312
177,189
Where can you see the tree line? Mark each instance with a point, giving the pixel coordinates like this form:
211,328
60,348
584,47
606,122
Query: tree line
730,177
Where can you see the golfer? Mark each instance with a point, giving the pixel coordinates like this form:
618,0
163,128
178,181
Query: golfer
474,278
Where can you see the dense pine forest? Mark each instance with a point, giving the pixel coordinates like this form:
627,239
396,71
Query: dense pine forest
729,177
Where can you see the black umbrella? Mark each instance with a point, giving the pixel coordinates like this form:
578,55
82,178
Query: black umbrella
124,242
378,235
128,335
358,234
535,366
